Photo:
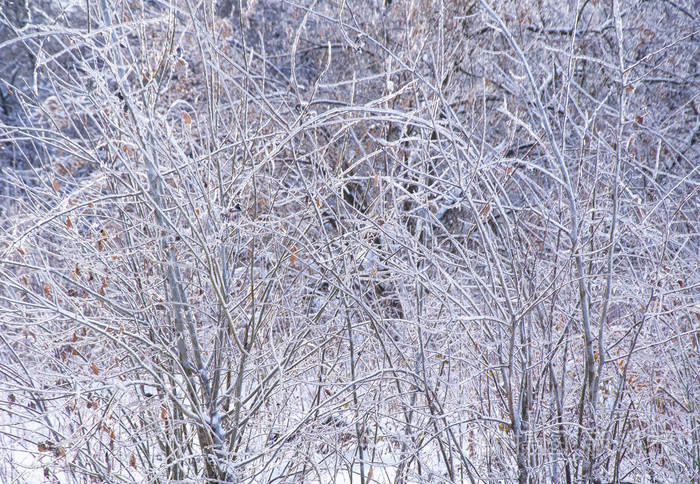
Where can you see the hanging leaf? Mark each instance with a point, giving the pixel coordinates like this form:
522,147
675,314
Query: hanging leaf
68,222
132,461
186,118
95,368
45,446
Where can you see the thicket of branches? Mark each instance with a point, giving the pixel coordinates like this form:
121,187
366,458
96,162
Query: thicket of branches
302,241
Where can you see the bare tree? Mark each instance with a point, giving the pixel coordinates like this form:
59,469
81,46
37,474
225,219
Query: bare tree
350,242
